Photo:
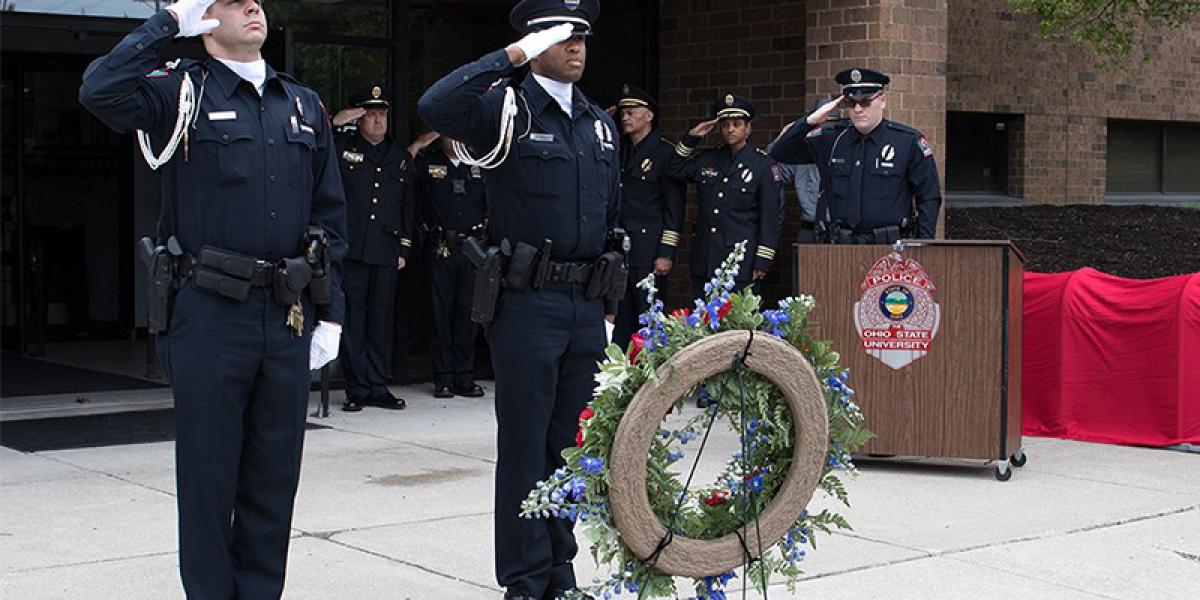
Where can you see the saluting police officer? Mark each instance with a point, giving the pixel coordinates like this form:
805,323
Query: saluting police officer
738,189
252,184
553,194
879,182
651,204
453,207
377,174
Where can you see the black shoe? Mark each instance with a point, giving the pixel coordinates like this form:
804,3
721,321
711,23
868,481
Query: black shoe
353,404
470,390
388,401
442,391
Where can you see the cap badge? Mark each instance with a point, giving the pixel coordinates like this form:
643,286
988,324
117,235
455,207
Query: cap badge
376,92
571,4
625,90
728,99
856,76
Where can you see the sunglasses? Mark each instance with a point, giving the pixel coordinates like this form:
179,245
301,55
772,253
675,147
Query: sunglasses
863,102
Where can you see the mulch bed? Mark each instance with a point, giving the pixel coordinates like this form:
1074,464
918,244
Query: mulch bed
1138,242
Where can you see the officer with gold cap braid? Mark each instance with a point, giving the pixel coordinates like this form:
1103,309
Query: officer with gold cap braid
738,189
879,181
377,173
553,199
651,204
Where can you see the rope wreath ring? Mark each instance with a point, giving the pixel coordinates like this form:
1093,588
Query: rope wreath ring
640,529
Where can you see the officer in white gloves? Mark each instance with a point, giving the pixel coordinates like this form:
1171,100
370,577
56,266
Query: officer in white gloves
554,186
250,188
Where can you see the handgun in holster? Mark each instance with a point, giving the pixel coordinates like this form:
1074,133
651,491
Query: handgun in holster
161,262
489,271
316,254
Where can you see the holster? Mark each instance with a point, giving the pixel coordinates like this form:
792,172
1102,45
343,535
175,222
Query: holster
489,270
160,262
292,275
320,287
609,277
225,273
521,267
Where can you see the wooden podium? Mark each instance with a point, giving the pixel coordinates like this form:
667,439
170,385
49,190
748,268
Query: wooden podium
962,398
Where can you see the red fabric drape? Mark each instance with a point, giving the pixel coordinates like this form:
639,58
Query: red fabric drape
1114,360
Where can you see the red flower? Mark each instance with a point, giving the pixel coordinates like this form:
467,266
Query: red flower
584,415
681,313
637,343
724,310
717,497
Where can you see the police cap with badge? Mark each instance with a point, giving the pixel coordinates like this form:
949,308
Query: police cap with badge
372,96
733,107
861,82
535,15
633,96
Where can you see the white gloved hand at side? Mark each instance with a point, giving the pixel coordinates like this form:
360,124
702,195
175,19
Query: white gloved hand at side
324,345
539,41
190,14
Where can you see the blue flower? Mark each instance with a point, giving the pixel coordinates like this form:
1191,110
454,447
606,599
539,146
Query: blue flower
756,483
674,456
591,464
577,486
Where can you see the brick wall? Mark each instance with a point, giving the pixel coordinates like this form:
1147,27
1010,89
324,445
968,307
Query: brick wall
752,48
998,63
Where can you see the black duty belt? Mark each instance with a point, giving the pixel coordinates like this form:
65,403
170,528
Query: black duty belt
262,276
568,272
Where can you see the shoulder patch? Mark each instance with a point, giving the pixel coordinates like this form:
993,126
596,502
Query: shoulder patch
926,149
815,132
777,172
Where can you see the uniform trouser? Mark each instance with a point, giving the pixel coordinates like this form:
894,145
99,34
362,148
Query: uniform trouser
698,286
241,384
634,304
545,347
367,334
452,283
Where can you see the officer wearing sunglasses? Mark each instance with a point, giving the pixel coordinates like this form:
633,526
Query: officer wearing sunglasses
879,182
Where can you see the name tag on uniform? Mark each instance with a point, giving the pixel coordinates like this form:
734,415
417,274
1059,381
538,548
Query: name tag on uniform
222,115
887,165
837,161
541,137
437,171
352,157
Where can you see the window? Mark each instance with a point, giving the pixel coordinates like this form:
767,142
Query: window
1153,157
133,9
977,152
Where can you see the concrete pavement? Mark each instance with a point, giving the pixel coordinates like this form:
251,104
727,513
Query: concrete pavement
397,505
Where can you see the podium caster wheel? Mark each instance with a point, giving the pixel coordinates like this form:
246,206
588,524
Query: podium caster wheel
1019,459
1003,473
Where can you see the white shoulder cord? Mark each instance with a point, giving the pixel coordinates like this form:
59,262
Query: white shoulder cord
189,110
498,154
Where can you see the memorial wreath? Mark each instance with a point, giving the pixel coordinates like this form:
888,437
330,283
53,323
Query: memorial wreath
784,395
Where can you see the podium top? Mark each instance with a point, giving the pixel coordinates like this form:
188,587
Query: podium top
976,243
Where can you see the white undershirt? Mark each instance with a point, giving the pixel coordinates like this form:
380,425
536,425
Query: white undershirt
254,72
561,92
455,162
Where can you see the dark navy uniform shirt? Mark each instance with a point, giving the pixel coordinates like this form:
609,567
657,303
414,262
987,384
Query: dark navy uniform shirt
379,199
256,172
651,201
561,179
869,181
739,200
453,198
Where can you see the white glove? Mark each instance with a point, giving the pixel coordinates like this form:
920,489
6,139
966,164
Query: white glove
324,345
190,14
539,41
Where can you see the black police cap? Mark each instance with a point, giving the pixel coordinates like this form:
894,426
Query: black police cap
733,107
372,96
535,15
860,82
633,96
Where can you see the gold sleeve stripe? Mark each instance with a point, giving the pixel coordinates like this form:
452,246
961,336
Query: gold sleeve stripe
683,151
765,252
669,238
405,242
